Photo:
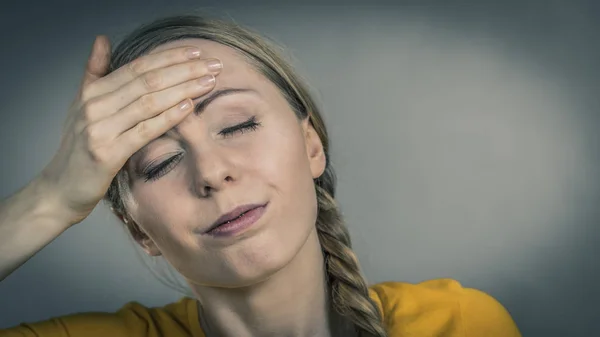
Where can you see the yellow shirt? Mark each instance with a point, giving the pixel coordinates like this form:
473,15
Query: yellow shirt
440,308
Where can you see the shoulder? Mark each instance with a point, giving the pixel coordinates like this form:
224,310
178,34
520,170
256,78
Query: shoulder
133,319
441,307
173,319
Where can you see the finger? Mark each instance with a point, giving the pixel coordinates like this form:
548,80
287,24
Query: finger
139,66
150,87
147,130
152,105
98,61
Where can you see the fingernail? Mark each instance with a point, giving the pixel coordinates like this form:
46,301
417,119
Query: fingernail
214,65
183,106
193,53
206,80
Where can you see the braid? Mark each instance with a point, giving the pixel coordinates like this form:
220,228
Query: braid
349,291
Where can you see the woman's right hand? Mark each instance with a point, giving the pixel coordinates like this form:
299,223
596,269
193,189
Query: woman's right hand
116,114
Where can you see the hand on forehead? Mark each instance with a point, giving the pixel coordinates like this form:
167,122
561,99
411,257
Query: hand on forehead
236,72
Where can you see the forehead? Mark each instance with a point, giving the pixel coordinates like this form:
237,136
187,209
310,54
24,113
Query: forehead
236,72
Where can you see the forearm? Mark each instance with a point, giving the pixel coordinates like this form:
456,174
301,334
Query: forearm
29,220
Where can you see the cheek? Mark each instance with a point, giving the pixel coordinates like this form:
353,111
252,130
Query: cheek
282,164
162,218
279,156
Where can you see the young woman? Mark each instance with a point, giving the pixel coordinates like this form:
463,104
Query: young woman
211,151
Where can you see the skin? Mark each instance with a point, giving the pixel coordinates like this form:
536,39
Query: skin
268,280
112,117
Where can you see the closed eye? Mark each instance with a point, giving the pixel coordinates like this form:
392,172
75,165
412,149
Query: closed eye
157,171
249,125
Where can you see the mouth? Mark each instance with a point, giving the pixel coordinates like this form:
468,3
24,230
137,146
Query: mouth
237,220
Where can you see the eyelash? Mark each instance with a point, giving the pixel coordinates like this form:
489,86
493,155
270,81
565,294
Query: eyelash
249,125
163,168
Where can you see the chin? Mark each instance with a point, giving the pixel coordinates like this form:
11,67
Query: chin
250,263
259,263
258,257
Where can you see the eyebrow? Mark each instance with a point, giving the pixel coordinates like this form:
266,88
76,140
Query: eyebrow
200,107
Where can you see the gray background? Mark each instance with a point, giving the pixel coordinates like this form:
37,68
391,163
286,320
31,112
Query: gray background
465,137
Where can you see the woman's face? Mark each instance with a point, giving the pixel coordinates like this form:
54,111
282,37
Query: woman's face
246,148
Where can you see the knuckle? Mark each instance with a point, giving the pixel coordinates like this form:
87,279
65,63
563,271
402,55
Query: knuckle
89,110
181,53
142,129
92,134
78,126
86,92
197,68
177,55
170,117
136,67
99,154
152,80
147,102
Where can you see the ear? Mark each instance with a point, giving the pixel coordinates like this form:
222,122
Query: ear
141,237
314,149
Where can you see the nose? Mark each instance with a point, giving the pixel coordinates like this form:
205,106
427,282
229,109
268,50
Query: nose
214,171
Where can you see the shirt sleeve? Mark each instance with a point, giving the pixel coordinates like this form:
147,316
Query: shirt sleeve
485,316
78,325
132,320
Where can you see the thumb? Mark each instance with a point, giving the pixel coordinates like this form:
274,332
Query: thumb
98,61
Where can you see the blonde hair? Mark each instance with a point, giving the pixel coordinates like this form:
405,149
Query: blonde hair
349,293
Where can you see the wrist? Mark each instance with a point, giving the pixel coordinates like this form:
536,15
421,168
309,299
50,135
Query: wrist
49,204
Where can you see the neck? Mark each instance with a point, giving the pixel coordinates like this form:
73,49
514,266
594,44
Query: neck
292,303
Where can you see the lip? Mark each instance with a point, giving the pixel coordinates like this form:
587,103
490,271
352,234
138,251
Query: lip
255,210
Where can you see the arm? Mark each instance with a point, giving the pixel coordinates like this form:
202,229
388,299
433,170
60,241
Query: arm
113,116
29,220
